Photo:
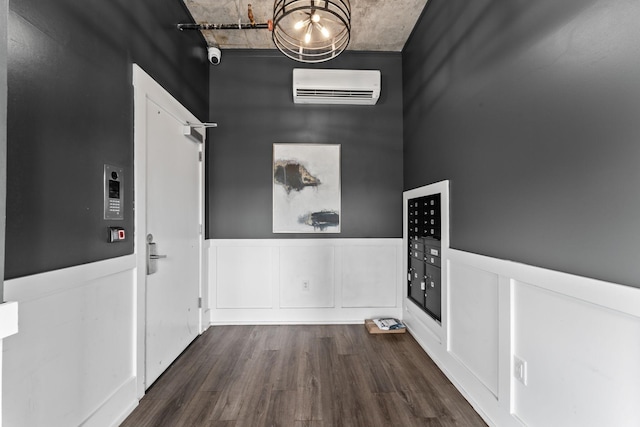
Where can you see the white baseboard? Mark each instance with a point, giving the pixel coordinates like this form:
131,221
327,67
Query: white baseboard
116,407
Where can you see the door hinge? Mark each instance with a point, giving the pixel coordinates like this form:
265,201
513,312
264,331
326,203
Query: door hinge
199,156
200,302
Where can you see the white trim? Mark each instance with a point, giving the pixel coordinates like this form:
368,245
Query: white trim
8,321
625,299
302,242
437,329
36,286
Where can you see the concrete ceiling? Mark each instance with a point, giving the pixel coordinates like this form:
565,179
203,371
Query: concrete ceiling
376,25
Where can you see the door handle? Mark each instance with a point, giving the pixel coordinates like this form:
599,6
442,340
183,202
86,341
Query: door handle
152,256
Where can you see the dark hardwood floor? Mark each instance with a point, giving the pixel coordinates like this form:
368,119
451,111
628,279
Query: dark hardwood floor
315,376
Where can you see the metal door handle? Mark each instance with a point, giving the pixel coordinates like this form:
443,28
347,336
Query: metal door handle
154,256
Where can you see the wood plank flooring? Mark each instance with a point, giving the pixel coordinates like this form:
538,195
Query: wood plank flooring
302,376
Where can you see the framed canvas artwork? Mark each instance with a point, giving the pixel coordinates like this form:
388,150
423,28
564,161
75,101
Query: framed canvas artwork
306,188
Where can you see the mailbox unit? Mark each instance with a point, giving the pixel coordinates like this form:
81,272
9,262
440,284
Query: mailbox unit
424,238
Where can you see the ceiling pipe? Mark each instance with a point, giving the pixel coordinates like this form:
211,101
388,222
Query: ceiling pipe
239,26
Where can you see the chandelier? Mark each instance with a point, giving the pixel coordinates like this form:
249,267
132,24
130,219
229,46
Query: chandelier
311,30
304,30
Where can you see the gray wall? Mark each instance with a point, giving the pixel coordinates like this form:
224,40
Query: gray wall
531,110
251,100
70,110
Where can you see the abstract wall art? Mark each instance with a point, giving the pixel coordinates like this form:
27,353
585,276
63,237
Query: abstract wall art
306,188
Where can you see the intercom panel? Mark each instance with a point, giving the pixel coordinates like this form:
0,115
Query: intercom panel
113,192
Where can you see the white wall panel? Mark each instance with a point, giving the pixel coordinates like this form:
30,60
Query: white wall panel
72,361
310,266
349,280
8,327
473,321
582,361
368,276
579,337
243,277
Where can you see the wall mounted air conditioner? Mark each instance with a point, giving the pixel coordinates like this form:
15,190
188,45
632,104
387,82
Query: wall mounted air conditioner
323,86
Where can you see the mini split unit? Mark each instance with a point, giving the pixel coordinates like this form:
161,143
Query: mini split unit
325,86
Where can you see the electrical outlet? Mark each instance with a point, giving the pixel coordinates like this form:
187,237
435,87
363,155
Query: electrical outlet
520,369
305,285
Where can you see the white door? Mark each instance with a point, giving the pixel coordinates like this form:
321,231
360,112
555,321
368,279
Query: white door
173,205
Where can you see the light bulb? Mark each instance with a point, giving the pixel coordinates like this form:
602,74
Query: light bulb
315,17
307,35
324,31
298,25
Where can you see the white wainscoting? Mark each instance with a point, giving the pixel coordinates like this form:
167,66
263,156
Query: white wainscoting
304,280
73,360
8,327
579,337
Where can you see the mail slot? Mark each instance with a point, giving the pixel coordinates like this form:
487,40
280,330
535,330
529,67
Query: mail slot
417,282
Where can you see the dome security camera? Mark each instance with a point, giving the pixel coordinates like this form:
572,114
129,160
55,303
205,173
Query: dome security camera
214,55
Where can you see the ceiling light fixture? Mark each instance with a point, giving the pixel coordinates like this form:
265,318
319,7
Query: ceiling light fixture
304,30
311,30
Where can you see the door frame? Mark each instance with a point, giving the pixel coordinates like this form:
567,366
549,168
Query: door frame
144,87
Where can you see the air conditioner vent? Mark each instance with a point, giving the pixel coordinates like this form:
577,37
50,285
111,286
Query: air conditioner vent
335,93
328,86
